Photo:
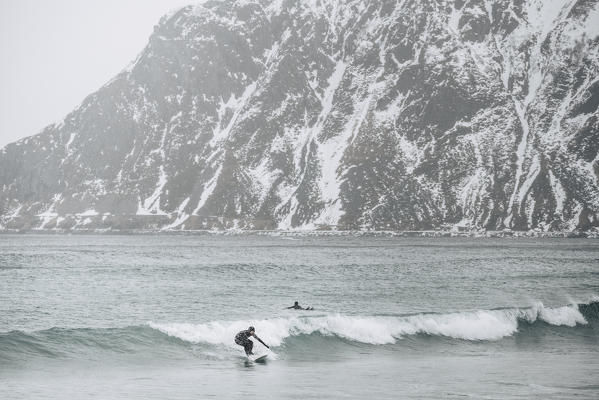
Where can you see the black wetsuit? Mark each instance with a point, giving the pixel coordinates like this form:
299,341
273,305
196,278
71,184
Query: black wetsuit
243,339
298,307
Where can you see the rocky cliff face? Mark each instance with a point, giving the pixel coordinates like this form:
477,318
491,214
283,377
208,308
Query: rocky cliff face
350,114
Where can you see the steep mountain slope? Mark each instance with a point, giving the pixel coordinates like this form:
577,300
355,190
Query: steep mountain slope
348,114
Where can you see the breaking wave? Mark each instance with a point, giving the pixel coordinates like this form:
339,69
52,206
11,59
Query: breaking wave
478,325
178,338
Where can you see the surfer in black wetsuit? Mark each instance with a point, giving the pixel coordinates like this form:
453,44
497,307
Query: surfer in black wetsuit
243,339
296,306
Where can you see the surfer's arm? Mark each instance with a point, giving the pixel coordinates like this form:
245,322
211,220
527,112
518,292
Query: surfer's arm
260,340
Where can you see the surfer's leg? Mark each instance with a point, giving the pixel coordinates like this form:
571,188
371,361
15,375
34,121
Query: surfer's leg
248,345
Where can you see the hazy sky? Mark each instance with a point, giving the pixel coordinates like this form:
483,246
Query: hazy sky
56,52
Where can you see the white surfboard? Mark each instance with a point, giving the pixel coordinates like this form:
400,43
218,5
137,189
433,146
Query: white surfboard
259,358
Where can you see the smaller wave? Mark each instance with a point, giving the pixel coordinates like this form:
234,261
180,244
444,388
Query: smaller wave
481,325
61,342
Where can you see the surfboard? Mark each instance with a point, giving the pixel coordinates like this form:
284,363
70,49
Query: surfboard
261,358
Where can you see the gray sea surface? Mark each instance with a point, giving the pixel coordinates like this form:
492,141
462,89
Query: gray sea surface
154,316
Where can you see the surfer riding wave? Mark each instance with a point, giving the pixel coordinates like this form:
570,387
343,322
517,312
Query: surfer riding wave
243,339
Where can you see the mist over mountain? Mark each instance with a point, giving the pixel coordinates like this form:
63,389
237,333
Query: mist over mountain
342,114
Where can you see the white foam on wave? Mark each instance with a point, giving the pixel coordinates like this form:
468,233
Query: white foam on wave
567,315
480,325
272,331
475,325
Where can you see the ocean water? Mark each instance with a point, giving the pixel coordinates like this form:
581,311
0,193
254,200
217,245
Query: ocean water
154,316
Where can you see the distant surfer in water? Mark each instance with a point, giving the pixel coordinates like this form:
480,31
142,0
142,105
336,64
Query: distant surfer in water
296,306
243,339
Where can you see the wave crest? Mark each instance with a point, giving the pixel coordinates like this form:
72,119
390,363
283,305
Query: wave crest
475,325
174,339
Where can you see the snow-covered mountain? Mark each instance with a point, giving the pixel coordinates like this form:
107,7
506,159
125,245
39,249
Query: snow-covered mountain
345,114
